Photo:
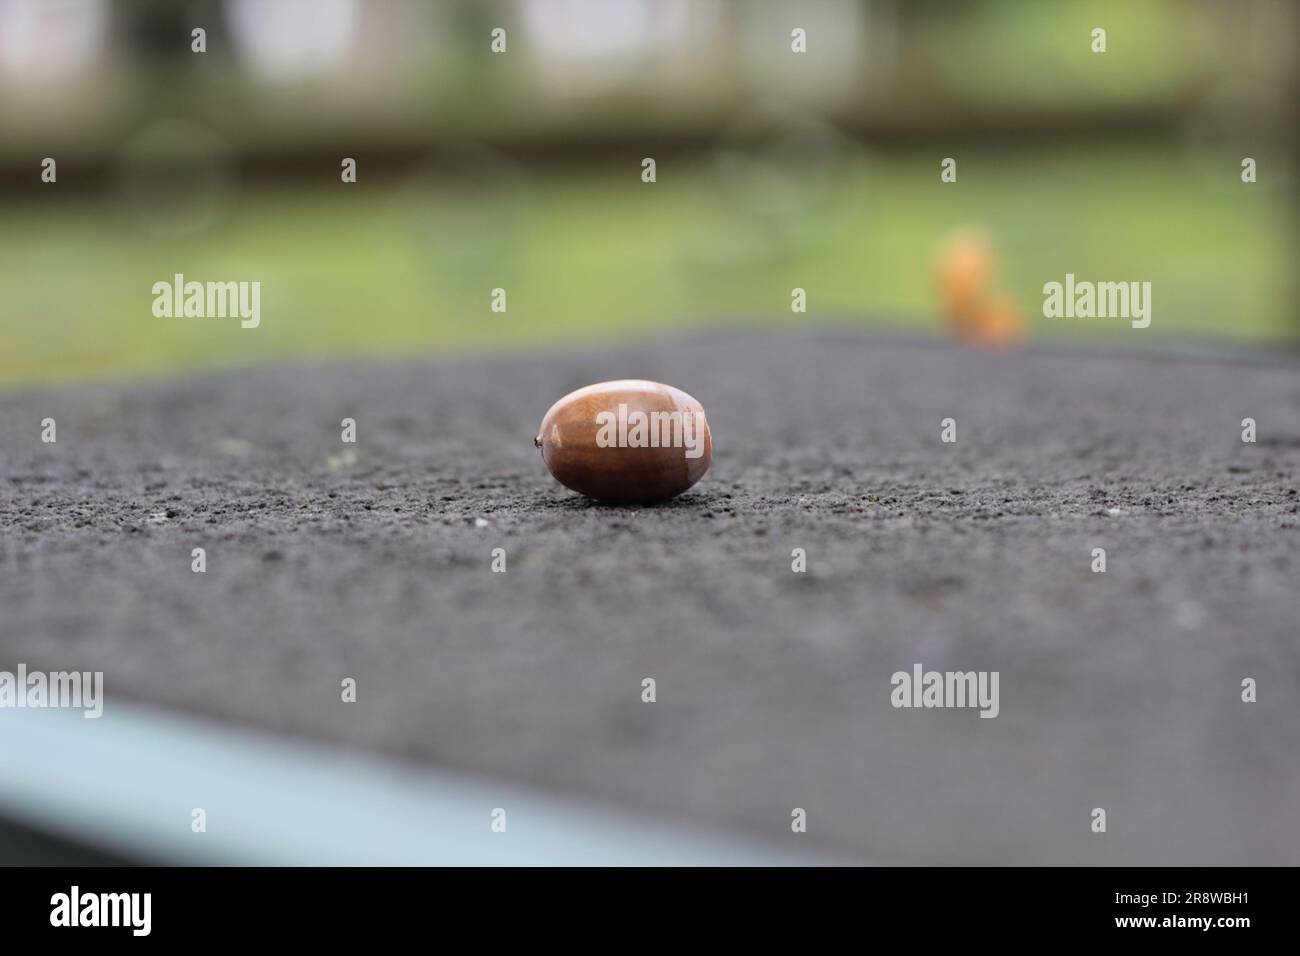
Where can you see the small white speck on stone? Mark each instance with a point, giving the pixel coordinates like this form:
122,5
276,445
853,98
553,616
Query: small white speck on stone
344,459
157,517
480,522
234,446
1114,511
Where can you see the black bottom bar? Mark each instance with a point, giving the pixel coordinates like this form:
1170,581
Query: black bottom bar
334,906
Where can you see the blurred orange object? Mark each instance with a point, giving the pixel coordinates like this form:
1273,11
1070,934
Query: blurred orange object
1000,323
975,310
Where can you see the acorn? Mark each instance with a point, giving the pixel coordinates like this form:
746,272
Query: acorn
627,441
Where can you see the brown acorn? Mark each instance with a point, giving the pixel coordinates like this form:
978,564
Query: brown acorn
626,442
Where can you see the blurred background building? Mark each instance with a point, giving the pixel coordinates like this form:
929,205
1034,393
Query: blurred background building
522,169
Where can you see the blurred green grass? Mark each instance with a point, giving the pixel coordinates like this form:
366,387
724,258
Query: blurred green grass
398,267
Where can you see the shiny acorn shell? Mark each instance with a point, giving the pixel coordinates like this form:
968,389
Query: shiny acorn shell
620,475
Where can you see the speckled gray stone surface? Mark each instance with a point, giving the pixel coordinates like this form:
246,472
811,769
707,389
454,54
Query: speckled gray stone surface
1118,690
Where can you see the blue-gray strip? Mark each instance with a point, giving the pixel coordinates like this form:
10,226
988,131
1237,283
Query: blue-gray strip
129,781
